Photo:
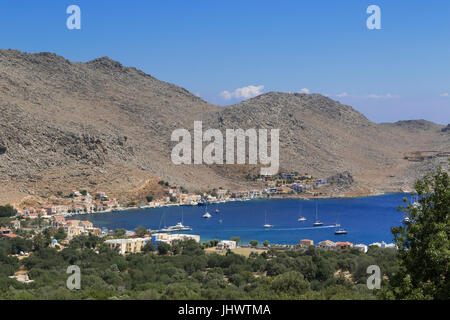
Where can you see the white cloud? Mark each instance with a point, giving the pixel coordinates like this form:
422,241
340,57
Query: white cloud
243,93
386,96
342,95
444,94
304,90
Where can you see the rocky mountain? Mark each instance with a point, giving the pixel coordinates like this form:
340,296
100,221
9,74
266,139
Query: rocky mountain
100,125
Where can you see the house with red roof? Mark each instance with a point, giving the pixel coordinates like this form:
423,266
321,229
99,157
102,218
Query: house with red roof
343,245
327,245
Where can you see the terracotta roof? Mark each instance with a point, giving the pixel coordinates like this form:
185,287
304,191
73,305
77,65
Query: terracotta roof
327,242
10,235
345,243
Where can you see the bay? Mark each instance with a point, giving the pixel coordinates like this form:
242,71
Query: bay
367,219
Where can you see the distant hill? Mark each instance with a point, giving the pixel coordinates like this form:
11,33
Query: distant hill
100,125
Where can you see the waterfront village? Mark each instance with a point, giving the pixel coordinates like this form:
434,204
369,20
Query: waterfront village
80,202
54,221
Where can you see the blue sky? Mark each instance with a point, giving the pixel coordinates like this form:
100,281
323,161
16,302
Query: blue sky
209,46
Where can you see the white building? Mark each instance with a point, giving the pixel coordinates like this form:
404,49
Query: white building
123,246
383,245
173,237
361,247
226,245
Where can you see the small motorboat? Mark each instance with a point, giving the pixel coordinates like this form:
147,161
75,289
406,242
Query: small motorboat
207,215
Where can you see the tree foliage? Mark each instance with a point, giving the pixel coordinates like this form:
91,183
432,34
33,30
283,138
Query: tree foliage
424,242
7,211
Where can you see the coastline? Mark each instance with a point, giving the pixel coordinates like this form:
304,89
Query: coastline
367,219
273,197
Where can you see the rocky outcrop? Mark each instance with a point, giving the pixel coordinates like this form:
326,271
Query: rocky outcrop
341,179
2,146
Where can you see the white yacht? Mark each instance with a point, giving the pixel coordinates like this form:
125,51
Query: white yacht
266,225
317,223
300,217
207,215
339,231
178,227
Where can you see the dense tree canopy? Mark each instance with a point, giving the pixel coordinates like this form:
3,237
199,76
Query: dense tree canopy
186,271
424,243
7,211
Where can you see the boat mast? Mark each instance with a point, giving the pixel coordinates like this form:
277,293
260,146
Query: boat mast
316,212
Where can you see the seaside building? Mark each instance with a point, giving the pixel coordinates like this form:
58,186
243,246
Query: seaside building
57,221
124,246
327,245
7,233
287,176
305,243
361,247
15,224
298,187
221,193
383,245
49,209
31,215
320,182
343,245
74,228
172,239
4,231
226,245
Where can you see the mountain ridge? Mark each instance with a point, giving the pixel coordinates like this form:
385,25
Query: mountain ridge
99,124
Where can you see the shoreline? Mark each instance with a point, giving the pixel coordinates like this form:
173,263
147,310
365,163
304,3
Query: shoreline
277,197
272,237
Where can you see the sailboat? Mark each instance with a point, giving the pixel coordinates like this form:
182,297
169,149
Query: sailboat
340,230
163,218
317,223
300,217
266,225
207,215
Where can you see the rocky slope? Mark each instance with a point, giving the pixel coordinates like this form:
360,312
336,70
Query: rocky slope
100,125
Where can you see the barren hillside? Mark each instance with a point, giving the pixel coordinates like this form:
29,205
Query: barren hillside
100,125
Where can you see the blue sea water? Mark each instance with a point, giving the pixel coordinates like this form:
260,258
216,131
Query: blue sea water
367,219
